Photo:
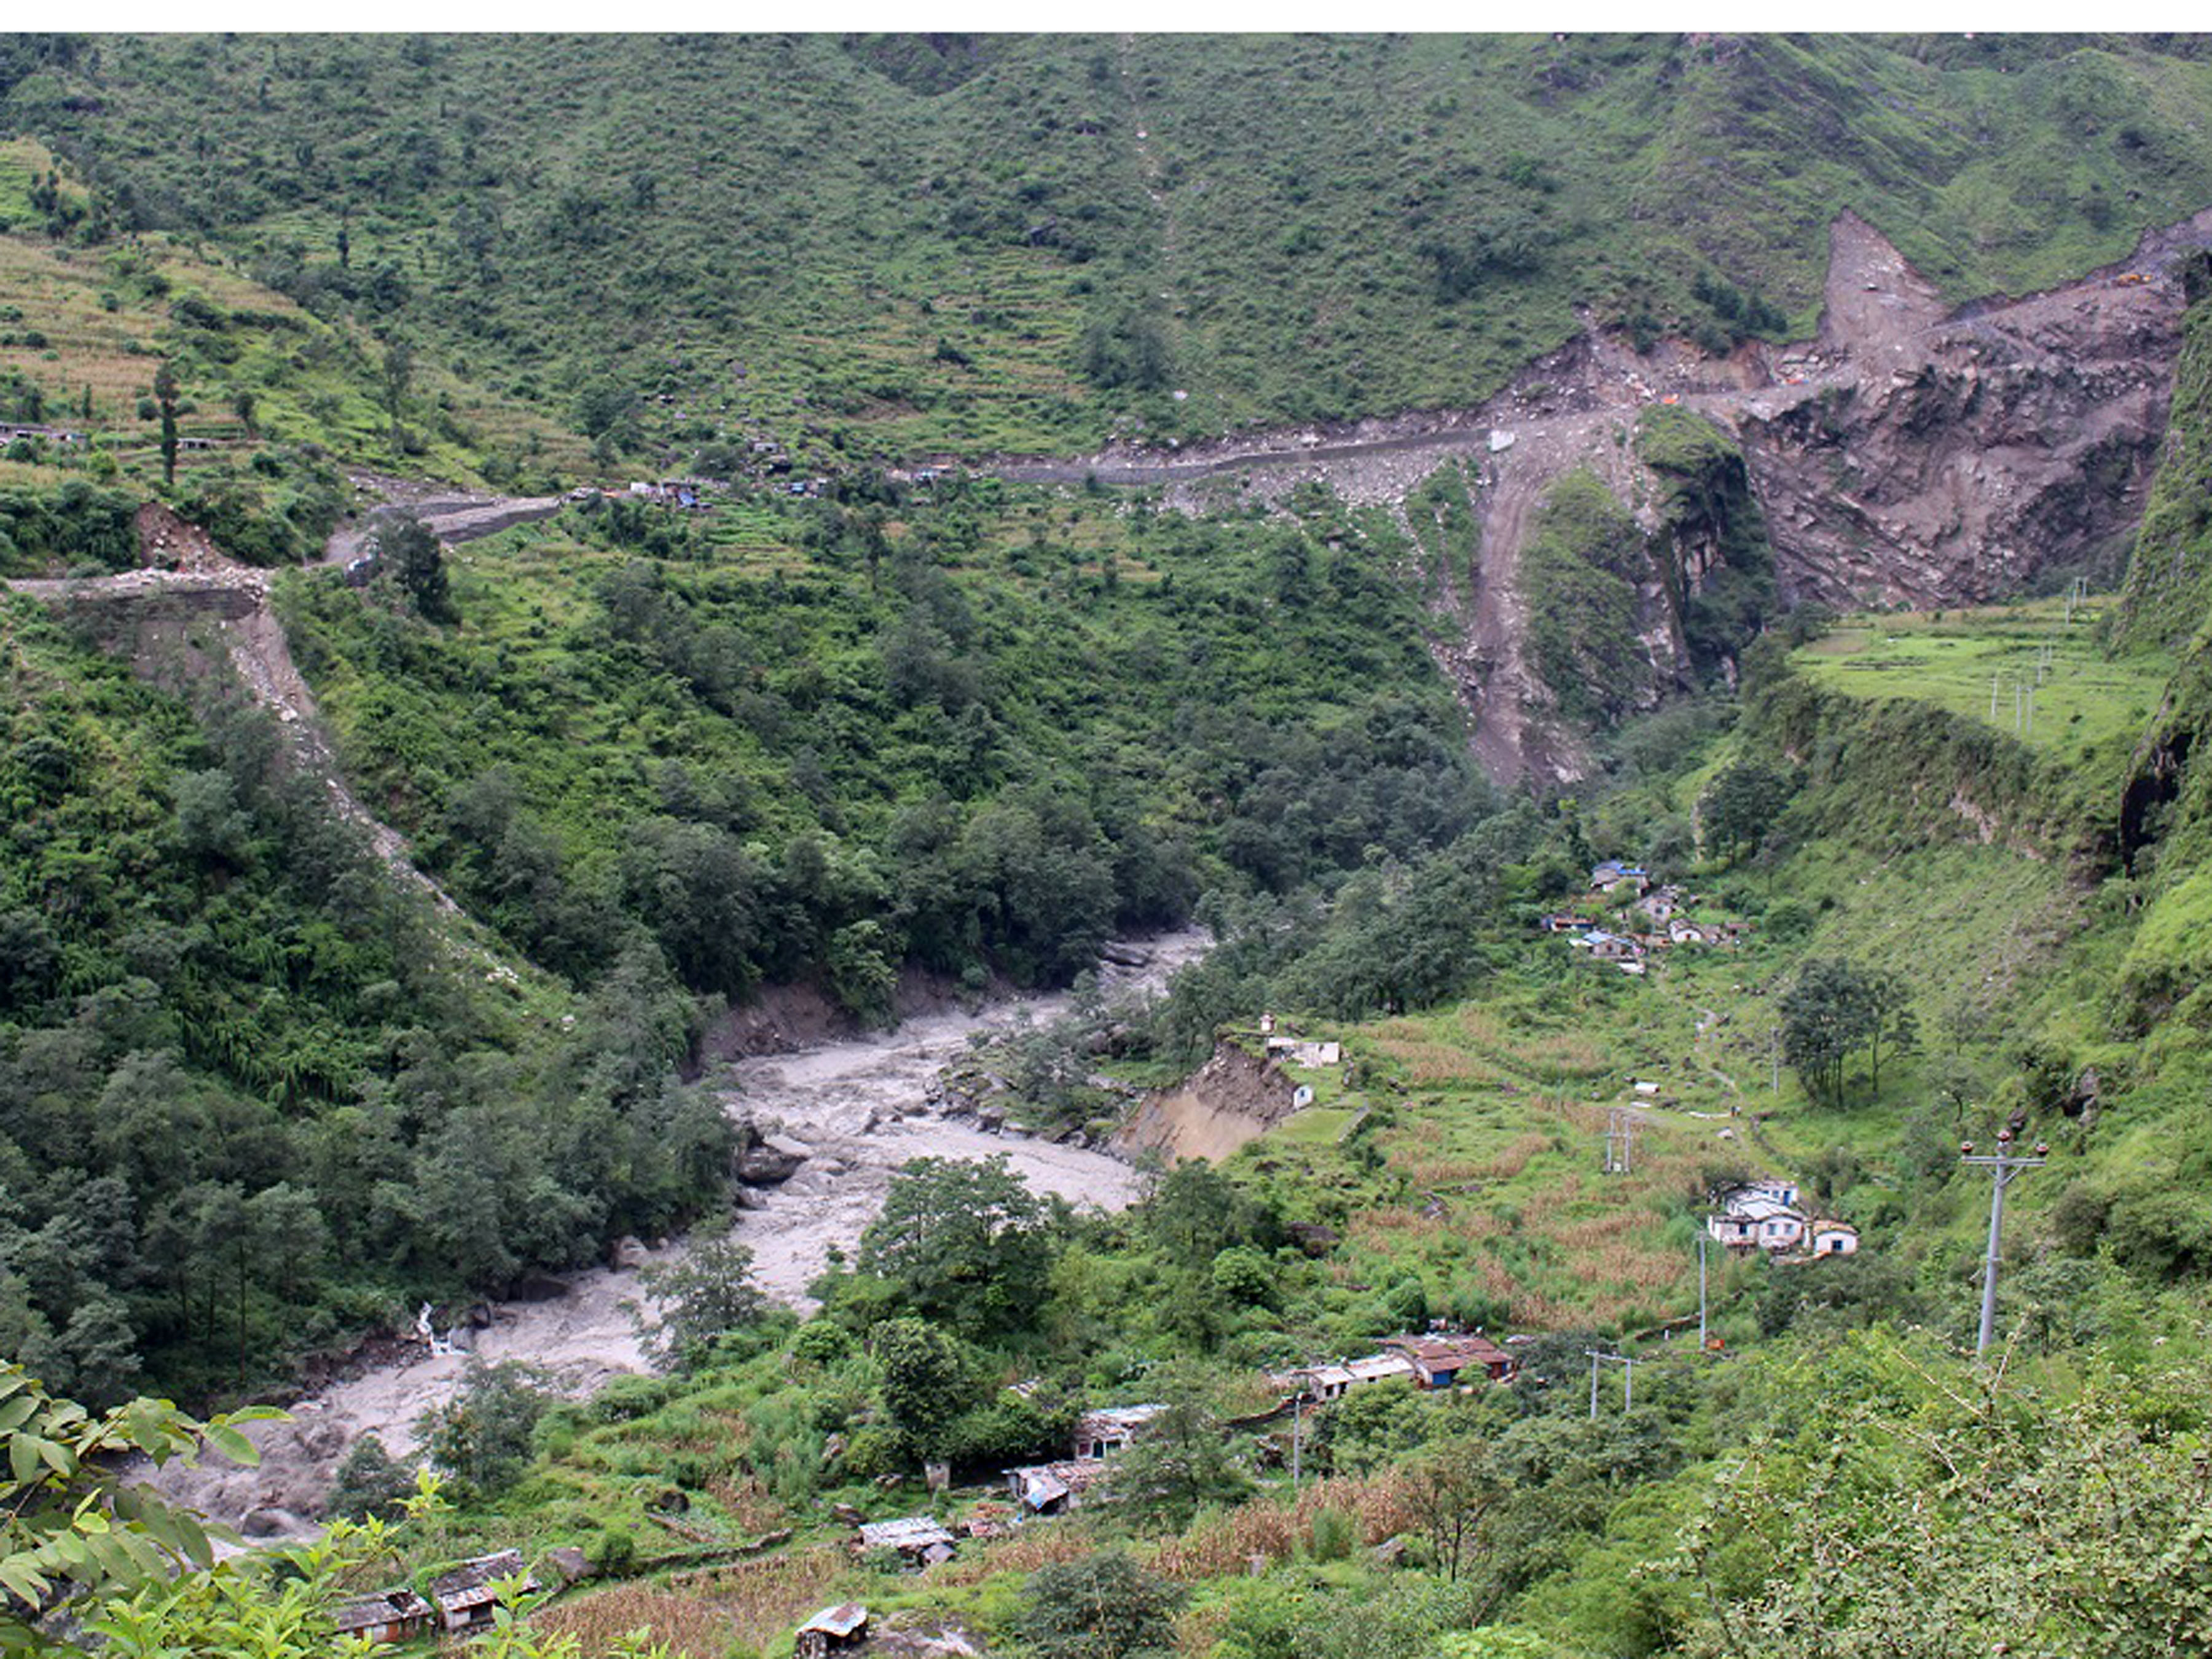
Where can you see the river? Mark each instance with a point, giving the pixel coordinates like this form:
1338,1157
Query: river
859,1105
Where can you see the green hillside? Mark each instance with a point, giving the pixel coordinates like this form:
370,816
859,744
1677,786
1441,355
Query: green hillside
896,246
1931,876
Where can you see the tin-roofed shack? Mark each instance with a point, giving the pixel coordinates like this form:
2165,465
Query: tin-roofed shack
1441,1360
833,1630
1327,1382
1108,1429
1055,1488
393,1615
916,1537
467,1595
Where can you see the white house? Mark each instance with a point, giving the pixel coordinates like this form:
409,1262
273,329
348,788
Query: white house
1832,1237
1327,1382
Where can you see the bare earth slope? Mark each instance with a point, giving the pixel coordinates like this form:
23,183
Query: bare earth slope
1904,454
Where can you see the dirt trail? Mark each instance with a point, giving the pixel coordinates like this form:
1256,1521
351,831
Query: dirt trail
454,516
183,569
863,1109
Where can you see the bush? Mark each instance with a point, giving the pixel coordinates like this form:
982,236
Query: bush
611,1552
1102,1607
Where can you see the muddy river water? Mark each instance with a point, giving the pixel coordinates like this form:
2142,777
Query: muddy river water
860,1108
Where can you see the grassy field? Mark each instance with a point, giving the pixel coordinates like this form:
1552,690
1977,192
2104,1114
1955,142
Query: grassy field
1965,661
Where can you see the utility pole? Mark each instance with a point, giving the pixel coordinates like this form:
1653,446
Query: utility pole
1993,700
1628,1378
2004,1165
1619,1136
1297,1432
1703,1239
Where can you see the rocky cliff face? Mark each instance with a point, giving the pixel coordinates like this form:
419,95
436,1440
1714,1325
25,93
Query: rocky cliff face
1907,454
1931,459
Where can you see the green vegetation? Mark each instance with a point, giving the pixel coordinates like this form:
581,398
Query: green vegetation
977,731
254,1092
2167,594
251,1095
895,247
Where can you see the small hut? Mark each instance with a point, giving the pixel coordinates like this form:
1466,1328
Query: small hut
833,1630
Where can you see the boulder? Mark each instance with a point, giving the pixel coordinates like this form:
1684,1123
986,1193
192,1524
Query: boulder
772,1160
270,1523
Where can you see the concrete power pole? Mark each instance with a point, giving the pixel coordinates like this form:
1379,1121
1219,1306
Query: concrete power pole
1619,1141
1628,1378
2004,1167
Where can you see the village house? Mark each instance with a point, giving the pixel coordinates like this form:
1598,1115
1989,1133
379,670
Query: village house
1832,1237
833,1630
1440,1360
1765,1215
467,1597
1565,922
1055,1488
1299,1052
1328,1382
1613,875
917,1539
1099,1433
393,1615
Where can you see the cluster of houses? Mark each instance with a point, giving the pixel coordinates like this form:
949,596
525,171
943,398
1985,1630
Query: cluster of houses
459,1603
1435,1360
1661,909
1766,1215
685,493
11,430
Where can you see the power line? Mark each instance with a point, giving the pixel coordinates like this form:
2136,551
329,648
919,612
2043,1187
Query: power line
2005,1166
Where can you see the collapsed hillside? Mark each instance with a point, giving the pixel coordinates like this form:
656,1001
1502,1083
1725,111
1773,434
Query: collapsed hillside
1907,454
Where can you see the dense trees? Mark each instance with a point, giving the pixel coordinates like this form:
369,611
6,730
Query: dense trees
245,1101
967,1244
1835,1011
1740,806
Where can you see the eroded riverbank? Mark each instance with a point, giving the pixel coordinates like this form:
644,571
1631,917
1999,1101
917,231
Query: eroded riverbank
861,1108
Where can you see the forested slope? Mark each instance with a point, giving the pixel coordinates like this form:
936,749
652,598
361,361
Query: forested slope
981,243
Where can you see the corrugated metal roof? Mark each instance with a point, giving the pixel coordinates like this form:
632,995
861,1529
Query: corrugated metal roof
839,1621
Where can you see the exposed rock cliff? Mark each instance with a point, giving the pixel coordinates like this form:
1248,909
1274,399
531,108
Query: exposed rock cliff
1906,454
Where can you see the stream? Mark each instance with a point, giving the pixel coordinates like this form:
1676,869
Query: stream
860,1107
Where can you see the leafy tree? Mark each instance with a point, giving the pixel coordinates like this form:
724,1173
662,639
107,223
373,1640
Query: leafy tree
1181,1460
1832,1010
411,551
72,1534
371,1484
1740,806
165,397
1099,1607
926,1385
482,1436
964,1242
707,1291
